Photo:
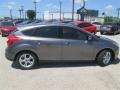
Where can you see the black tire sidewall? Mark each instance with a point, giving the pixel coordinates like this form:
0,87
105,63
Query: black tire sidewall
101,33
100,58
20,66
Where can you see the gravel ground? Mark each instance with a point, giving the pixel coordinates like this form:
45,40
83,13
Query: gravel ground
59,76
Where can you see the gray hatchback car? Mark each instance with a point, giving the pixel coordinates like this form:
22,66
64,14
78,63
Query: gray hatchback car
30,44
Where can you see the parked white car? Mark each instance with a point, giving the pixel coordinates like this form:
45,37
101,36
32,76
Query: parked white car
98,26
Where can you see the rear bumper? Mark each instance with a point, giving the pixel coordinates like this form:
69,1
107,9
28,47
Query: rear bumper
9,55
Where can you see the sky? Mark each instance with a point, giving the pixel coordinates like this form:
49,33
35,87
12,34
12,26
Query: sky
108,6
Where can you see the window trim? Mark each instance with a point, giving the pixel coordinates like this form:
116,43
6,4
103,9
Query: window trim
58,36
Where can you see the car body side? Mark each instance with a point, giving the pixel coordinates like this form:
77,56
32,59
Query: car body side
55,49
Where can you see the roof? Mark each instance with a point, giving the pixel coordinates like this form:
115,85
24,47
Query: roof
44,24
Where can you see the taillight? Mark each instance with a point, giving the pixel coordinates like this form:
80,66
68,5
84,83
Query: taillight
12,39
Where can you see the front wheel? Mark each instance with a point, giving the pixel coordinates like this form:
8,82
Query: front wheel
104,58
2,34
26,60
102,33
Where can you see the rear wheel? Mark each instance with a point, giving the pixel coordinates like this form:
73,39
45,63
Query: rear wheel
26,60
104,58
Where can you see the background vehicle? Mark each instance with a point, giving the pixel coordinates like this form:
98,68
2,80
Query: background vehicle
113,28
86,26
98,26
36,21
25,22
6,28
58,42
18,21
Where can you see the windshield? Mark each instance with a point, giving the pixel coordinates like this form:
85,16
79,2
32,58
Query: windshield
7,24
97,23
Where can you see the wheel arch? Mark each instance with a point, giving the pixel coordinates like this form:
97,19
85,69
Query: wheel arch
113,54
25,51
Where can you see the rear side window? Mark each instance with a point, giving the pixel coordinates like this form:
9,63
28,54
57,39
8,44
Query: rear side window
28,32
47,32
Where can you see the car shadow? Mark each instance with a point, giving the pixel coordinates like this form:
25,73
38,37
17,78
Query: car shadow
117,61
65,64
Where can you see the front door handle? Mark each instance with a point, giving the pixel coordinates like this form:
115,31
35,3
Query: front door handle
68,43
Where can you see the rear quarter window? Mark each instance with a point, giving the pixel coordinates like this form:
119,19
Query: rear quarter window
28,32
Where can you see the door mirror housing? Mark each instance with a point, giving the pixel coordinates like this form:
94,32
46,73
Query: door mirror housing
90,38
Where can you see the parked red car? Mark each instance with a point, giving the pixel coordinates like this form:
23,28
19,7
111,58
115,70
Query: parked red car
86,26
6,28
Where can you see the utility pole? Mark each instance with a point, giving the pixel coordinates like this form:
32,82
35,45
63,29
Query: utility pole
60,10
43,16
73,7
51,16
22,11
83,10
35,7
118,10
11,14
25,14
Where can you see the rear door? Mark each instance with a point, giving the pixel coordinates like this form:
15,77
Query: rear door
48,43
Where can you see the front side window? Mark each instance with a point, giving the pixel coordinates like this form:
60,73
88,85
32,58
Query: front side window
71,33
47,32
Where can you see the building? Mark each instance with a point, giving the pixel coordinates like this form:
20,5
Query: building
92,16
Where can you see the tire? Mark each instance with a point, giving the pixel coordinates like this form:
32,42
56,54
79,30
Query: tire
104,58
26,60
101,33
2,35
114,33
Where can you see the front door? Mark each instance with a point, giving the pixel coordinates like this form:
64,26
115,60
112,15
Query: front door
75,45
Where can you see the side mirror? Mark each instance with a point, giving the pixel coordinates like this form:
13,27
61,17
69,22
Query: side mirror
90,38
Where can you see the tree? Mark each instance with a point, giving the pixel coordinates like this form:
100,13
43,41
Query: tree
31,14
108,19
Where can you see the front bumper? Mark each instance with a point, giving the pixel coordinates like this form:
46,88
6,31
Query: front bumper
117,53
6,33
